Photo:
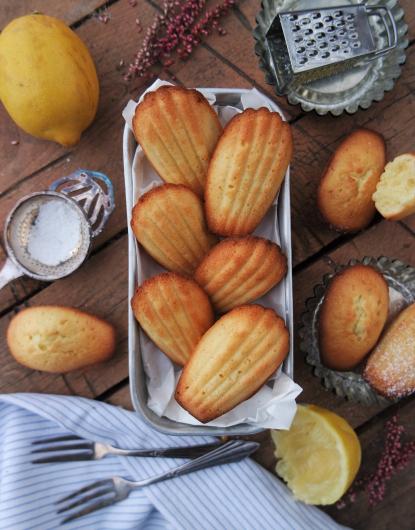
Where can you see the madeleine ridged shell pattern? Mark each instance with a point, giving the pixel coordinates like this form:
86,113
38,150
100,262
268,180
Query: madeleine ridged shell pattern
233,359
174,312
169,223
246,171
239,270
178,131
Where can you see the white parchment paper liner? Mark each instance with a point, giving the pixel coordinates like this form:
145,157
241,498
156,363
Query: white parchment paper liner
273,406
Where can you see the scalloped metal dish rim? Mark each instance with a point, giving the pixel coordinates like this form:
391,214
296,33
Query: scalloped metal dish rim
342,382
264,18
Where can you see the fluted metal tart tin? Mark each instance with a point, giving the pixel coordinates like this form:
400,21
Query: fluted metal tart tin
401,280
346,91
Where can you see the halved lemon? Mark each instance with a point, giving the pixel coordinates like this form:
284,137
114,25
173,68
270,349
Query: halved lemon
319,456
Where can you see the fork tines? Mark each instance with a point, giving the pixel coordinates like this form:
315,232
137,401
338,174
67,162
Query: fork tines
54,439
81,449
101,491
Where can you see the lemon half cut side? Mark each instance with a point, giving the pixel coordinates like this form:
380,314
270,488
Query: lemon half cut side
319,456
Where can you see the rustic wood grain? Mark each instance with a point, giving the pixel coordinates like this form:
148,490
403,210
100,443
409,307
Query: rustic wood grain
397,510
23,163
101,145
25,160
237,49
71,11
389,117
121,397
99,287
309,232
20,161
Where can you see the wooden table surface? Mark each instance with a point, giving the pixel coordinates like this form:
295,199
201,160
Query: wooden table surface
100,286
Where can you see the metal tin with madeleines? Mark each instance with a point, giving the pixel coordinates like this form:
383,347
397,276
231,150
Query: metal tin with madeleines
351,385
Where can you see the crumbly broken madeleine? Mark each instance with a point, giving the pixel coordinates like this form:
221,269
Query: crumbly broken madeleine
395,193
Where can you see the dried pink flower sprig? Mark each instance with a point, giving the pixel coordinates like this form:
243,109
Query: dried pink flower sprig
395,457
176,29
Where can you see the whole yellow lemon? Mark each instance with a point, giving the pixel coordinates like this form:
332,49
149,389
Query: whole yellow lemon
48,81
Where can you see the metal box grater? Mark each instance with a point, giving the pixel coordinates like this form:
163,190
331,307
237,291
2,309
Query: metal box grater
310,44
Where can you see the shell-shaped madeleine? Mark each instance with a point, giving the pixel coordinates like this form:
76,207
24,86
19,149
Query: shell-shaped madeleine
169,223
239,270
390,369
246,171
178,130
174,312
233,359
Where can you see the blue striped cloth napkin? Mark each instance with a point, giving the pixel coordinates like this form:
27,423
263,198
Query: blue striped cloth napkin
234,496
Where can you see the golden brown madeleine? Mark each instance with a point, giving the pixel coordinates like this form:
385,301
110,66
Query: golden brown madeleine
246,171
174,312
169,223
234,358
352,316
59,339
344,195
178,130
239,270
390,368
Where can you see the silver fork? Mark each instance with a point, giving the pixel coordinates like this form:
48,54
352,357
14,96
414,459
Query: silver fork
105,492
56,449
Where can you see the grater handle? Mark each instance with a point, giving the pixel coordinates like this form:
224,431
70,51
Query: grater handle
83,186
382,12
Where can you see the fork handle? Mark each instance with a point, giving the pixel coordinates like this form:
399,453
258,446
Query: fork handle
191,451
229,452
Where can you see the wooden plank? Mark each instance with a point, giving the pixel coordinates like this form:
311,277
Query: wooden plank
30,155
409,222
409,9
70,11
99,287
397,509
19,161
24,161
101,145
121,397
391,117
236,49
309,233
